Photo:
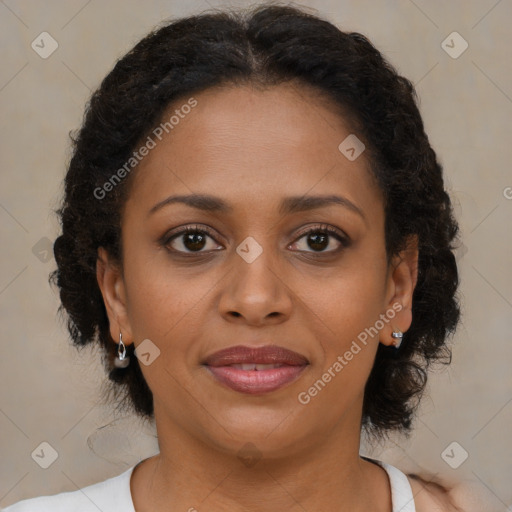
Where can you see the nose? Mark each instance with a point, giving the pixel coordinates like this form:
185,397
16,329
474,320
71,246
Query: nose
256,293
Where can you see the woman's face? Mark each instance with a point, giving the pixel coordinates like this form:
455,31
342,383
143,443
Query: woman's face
256,278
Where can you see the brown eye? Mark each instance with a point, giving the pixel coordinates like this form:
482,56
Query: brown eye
319,239
190,240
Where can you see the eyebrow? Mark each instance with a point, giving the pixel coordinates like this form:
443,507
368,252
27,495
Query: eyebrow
288,205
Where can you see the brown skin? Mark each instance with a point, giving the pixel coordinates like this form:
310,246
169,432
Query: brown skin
252,148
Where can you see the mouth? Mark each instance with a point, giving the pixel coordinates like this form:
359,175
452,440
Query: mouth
255,370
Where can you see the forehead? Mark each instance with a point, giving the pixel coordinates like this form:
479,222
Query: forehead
247,142
287,117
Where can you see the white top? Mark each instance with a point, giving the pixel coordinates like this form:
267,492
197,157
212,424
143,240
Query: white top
114,495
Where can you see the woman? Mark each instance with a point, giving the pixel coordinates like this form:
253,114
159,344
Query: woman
256,231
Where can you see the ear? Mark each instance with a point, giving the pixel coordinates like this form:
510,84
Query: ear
111,283
401,280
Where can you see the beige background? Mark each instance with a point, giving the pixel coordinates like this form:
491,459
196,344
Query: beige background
49,391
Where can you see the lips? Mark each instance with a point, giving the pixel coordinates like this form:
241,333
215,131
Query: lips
255,370
269,354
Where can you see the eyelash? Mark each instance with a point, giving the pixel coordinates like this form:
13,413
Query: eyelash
330,231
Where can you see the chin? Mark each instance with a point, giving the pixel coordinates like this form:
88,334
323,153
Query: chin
270,433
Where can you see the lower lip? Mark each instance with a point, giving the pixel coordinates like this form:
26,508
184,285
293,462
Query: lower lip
256,381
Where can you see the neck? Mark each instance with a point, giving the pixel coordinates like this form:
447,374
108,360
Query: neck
190,475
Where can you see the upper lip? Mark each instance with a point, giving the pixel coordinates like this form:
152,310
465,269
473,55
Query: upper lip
268,354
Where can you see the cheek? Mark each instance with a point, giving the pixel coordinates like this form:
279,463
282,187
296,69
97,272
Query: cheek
156,297
345,320
169,305
346,302
167,311
162,308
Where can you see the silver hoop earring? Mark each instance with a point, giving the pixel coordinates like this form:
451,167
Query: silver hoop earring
397,338
122,360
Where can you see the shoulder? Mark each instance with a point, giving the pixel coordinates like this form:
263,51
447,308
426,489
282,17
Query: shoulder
106,496
431,496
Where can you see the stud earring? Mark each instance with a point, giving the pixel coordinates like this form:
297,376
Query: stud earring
122,360
397,338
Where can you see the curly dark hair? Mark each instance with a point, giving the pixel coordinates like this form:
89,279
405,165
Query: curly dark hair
265,46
